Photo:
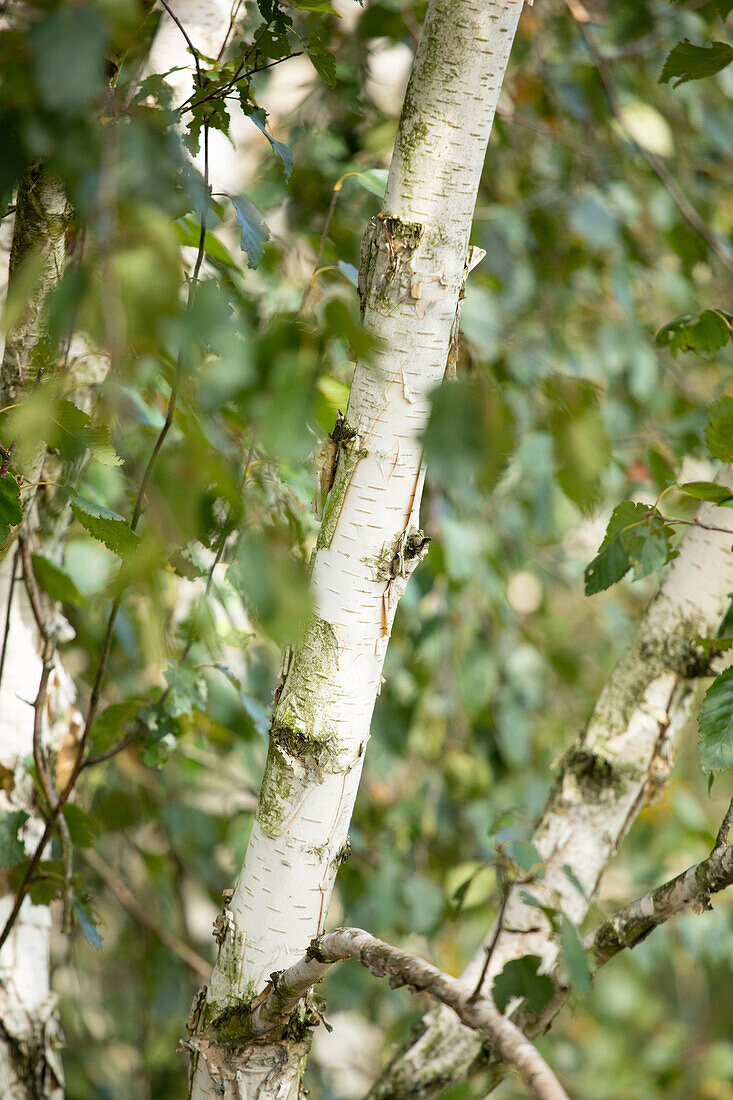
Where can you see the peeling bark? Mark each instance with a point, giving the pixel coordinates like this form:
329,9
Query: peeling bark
415,258
617,763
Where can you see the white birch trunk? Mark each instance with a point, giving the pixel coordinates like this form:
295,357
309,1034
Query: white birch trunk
415,258
616,764
30,1065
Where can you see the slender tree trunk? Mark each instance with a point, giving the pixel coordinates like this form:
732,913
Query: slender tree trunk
618,762
415,258
30,1065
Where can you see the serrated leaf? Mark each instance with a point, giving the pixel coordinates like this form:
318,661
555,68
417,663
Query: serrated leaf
719,434
188,689
702,333
11,509
715,723
689,62
520,978
55,581
636,535
608,567
259,117
71,432
254,229
576,960
105,525
706,490
322,59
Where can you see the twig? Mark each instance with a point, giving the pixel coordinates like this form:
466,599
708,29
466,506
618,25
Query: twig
8,609
480,1014
189,43
690,890
490,947
326,226
130,903
722,838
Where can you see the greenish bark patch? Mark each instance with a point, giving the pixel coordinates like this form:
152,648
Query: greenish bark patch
344,435
596,774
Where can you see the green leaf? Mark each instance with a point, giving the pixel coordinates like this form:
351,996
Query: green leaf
373,180
189,234
188,689
315,5
608,567
636,535
719,434
706,490
689,62
519,978
106,526
712,645
579,437
110,726
321,58
55,581
469,436
259,117
82,826
576,960
69,49
715,723
12,849
88,924
254,229
11,509
702,333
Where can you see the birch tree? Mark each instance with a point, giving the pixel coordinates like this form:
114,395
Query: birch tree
415,259
205,420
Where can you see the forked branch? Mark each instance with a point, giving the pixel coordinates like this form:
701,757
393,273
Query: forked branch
478,1013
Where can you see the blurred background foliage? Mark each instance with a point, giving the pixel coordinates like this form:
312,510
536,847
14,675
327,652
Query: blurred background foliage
563,407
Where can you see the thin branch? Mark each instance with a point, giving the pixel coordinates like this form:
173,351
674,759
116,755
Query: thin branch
690,890
656,163
138,913
189,43
8,609
272,1008
722,838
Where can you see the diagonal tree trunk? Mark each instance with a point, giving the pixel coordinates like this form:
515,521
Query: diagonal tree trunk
415,258
604,780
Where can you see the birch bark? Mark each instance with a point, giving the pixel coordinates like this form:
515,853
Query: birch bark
30,1065
415,258
603,782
